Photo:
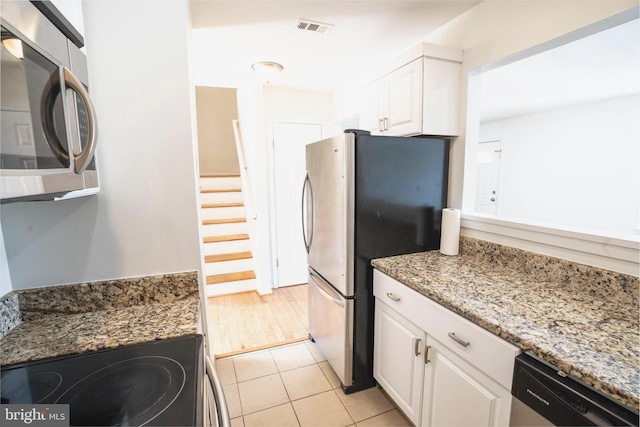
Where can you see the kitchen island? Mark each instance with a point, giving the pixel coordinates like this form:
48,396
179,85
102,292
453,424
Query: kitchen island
581,319
57,321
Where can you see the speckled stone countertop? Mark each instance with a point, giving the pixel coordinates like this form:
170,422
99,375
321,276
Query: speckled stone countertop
581,319
73,319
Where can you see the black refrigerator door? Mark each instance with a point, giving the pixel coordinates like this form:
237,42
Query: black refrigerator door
401,189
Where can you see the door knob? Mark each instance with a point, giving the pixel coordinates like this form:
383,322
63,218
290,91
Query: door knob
493,199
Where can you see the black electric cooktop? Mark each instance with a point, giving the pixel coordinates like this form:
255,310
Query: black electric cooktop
157,383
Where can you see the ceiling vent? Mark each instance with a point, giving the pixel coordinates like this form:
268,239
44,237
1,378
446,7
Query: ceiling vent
316,27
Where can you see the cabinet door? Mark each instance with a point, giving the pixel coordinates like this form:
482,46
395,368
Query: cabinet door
404,100
458,394
398,363
371,110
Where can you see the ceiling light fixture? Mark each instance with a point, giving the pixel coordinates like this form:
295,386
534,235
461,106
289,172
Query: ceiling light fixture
267,71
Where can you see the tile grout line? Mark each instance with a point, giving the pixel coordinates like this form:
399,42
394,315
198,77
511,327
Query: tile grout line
290,401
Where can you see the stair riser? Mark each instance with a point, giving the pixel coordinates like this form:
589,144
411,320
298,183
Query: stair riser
220,183
227,247
225,229
223,267
226,197
232,287
217,213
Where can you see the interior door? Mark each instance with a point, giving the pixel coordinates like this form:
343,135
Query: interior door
488,169
289,142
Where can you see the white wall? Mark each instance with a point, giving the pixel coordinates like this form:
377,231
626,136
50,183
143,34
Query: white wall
72,10
216,109
5,277
582,161
144,221
498,31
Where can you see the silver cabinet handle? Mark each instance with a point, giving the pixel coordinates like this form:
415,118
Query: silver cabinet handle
426,354
380,125
386,123
458,340
416,347
393,297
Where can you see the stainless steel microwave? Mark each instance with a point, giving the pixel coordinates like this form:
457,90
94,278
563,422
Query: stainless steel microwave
48,124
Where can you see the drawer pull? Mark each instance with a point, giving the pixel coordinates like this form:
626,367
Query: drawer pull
393,297
426,354
416,348
458,340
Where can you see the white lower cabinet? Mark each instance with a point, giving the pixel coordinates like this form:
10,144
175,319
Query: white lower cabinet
398,362
465,382
457,394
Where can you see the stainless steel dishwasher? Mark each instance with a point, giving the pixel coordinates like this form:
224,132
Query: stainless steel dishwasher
546,396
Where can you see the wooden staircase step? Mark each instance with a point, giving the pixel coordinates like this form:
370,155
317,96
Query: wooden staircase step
230,277
222,205
222,221
231,190
227,238
228,257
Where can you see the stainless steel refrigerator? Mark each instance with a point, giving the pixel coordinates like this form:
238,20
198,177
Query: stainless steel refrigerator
364,197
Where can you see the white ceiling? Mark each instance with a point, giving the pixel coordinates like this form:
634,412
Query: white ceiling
601,66
229,36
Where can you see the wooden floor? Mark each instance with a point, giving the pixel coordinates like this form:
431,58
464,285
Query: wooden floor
247,321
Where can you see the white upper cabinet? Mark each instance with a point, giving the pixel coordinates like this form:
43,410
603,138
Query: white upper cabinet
419,97
403,100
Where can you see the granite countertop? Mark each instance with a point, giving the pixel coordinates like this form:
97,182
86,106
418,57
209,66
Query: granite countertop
581,319
74,319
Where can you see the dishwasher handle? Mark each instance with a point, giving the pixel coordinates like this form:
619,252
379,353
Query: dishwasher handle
217,405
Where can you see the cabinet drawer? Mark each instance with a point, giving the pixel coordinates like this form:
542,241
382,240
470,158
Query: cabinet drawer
486,351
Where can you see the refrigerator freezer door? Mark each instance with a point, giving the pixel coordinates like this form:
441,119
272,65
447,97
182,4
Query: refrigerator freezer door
331,326
330,174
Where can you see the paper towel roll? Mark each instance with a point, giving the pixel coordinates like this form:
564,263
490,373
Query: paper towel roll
450,232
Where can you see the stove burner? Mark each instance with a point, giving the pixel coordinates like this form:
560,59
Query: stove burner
41,386
131,392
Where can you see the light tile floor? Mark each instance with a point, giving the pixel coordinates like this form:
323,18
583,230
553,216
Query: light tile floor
293,385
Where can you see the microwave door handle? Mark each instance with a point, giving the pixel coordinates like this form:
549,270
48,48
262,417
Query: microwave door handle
83,159
50,93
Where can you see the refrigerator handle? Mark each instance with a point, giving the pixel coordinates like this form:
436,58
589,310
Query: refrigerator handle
322,290
307,183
